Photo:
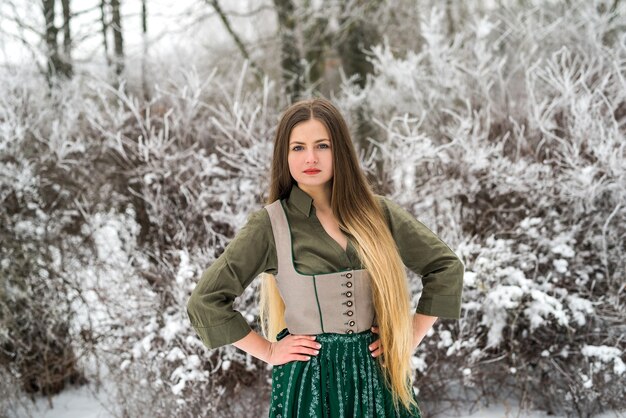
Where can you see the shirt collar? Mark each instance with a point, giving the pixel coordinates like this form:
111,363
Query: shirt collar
300,199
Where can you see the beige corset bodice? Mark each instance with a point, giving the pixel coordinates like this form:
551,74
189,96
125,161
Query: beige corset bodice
339,302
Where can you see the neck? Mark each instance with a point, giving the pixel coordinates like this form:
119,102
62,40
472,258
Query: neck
320,194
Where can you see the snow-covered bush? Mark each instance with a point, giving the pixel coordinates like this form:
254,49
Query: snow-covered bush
193,172
113,207
509,141
39,348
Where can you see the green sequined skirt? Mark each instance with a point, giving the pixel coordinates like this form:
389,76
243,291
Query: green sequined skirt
342,381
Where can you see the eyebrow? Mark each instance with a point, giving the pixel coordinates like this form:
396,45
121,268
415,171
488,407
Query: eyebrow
319,140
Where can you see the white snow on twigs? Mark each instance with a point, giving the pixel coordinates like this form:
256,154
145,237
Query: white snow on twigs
605,354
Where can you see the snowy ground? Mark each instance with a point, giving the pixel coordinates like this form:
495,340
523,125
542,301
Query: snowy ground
73,403
82,403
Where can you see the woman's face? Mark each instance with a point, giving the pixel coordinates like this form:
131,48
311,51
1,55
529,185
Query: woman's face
310,149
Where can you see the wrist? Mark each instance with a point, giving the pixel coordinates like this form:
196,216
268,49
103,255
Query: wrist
421,325
269,351
255,345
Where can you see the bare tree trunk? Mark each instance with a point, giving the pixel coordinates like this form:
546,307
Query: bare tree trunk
144,56
316,47
450,18
258,73
54,61
291,66
118,38
359,36
67,39
611,36
105,30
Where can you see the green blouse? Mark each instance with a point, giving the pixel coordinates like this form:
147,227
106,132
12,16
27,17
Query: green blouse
253,251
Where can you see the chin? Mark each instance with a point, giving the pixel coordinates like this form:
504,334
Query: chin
313,181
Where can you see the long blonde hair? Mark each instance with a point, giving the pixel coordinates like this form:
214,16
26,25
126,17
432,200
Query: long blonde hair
360,216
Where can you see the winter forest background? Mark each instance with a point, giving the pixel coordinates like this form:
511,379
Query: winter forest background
134,141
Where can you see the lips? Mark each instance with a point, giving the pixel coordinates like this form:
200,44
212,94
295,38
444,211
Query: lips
312,171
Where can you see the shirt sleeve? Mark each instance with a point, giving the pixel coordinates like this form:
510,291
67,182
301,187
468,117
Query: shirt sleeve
424,253
210,306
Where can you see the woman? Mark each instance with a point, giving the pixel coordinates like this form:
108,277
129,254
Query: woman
334,292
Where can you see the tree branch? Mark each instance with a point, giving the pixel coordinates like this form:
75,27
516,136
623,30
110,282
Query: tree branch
242,48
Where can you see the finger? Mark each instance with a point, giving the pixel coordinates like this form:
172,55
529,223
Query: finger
307,344
304,337
374,345
306,350
301,357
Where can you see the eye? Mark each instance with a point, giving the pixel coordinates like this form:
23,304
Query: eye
323,146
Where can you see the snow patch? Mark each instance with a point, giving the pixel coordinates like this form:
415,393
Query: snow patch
606,354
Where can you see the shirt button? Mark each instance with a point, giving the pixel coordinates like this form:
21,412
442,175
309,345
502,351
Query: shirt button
349,303
351,323
349,275
349,284
349,313
349,294
350,331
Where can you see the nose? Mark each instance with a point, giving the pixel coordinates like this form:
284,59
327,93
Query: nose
311,157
